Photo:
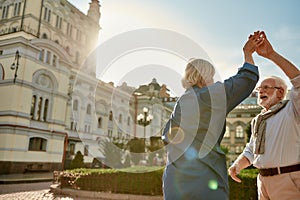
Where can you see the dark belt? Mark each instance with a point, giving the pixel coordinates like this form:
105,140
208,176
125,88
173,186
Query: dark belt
279,170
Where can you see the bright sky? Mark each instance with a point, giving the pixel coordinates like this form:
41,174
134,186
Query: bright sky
220,27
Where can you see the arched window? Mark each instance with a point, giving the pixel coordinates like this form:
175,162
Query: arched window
44,36
39,108
5,10
47,14
37,144
17,8
32,109
45,109
239,132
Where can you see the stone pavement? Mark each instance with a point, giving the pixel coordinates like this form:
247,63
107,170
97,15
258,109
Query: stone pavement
26,177
39,186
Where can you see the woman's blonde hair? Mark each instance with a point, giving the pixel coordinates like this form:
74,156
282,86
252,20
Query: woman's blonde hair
198,72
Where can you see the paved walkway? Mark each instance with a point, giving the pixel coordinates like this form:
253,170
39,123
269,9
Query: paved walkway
26,177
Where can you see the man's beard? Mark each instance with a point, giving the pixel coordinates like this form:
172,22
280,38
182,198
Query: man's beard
271,101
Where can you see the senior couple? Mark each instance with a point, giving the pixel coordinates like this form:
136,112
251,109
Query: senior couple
196,165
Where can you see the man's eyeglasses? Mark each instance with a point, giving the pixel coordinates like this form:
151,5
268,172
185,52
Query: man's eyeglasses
265,88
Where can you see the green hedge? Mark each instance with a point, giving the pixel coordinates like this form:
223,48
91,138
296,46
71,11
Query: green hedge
145,181
247,189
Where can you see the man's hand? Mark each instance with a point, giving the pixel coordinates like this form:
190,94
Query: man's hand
251,45
233,171
253,42
265,49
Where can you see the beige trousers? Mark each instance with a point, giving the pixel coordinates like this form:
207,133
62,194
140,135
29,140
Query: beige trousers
279,187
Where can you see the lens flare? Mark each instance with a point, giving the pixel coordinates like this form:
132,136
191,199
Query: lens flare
213,184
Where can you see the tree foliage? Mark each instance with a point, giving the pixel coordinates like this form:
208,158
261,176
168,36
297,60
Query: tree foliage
77,162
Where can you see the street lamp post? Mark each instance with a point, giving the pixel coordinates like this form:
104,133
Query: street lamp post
144,120
15,65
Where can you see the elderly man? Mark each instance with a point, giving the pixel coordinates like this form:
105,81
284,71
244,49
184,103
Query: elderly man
274,146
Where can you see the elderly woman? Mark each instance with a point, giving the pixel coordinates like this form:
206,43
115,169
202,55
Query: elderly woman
196,166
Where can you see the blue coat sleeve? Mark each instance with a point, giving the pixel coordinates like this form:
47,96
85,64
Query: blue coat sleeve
240,86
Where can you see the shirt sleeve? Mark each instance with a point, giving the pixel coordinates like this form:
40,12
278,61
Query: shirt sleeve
248,150
295,95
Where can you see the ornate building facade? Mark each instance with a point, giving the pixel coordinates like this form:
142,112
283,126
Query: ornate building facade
47,40
51,103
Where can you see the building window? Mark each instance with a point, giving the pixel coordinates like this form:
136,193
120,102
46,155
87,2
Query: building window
33,102
69,29
227,132
17,9
44,36
41,57
47,14
72,149
75,105
128,121
100,122
37,144
45,109
5,10
39,111
110,116
239,149
54,60
73,125
88,109
39,108
239,132
48,57
58,22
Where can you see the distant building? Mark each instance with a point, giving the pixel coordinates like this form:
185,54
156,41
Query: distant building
237,123
157,99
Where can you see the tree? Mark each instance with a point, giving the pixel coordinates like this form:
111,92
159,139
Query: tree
77,162
248,131
136,146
